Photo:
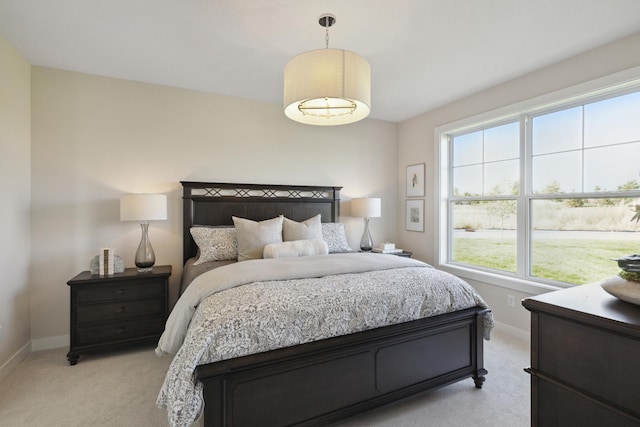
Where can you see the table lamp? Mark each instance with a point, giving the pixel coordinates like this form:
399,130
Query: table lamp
144,208
366,208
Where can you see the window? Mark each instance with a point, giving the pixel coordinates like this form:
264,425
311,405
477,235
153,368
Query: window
546,194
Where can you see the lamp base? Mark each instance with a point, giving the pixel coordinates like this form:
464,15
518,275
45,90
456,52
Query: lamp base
366,243
145,257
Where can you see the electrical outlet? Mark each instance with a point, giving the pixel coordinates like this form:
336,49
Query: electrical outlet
511,301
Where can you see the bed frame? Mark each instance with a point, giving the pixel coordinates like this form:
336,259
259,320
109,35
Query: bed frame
324,381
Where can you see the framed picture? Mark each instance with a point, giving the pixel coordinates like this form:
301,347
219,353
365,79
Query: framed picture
415,180
415,215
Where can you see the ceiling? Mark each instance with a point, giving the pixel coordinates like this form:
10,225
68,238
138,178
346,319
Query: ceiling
423,53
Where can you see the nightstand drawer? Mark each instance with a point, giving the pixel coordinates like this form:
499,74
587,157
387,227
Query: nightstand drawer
118,331
118,291
119,310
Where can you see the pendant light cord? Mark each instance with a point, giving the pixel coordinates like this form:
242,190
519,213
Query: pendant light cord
326,21
326,35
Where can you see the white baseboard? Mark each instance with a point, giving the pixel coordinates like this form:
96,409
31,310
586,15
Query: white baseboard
33,345
49,343
512,331
14,360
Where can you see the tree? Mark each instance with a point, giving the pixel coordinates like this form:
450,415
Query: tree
552,188
629,186
501,208
576,203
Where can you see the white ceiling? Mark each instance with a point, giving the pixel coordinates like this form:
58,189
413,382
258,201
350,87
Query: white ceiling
423,53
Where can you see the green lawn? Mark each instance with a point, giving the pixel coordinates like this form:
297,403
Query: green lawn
576,261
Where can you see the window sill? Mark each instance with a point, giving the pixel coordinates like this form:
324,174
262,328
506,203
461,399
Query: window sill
517,284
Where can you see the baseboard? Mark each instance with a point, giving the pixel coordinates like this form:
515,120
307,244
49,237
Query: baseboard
512,331
14,360
49,343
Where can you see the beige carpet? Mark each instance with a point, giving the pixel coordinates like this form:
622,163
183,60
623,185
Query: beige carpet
119,389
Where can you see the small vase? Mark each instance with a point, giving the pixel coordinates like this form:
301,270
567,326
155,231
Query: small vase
145,257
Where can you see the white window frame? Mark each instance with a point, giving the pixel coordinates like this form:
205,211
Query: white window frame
615,84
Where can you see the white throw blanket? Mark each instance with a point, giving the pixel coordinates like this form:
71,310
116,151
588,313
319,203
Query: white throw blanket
290,301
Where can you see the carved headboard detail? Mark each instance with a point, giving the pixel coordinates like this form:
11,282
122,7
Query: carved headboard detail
214,203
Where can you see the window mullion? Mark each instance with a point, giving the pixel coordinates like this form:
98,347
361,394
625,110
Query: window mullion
449,213
449,209
523,227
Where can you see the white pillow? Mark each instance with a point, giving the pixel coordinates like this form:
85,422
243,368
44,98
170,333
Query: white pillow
309,229
333,234
215,243
296,248
253,236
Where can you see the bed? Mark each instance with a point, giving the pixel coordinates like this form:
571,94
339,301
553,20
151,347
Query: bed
327,378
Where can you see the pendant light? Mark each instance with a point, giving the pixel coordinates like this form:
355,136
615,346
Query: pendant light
327,87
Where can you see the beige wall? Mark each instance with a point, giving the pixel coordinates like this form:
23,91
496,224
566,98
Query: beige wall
15,151
96,138
416,144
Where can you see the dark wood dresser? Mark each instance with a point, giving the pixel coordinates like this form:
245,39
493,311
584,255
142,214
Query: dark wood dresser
111,312
585,359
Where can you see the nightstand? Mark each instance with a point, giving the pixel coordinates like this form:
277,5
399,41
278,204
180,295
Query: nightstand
122,310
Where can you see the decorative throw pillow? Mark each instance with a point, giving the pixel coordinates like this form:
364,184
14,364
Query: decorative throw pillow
253,236
309,229
215,243
333,234
296,248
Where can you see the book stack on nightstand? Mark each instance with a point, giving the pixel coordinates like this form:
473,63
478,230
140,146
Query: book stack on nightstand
390,248
115,311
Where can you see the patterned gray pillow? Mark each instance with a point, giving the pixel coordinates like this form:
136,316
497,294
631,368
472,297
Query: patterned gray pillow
253,236
333,234
215,243
309,229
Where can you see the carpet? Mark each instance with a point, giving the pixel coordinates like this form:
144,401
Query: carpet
119,389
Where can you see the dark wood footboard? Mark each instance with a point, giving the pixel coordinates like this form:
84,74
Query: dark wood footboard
323,381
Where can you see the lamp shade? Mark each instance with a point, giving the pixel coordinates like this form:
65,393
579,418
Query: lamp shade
143,207
327,87
366,207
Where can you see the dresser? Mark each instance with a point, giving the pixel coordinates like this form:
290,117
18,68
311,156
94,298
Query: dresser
585,359
117,311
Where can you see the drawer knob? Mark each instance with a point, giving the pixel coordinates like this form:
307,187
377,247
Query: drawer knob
120,291
122,330
121,309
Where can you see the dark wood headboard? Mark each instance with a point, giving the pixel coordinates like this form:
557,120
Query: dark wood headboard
214,203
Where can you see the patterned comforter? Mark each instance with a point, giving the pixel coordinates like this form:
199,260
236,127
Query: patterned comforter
246,316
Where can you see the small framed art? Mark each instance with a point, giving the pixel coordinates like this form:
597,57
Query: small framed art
415,215
415,180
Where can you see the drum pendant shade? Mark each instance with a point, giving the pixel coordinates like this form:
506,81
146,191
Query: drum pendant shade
327,87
